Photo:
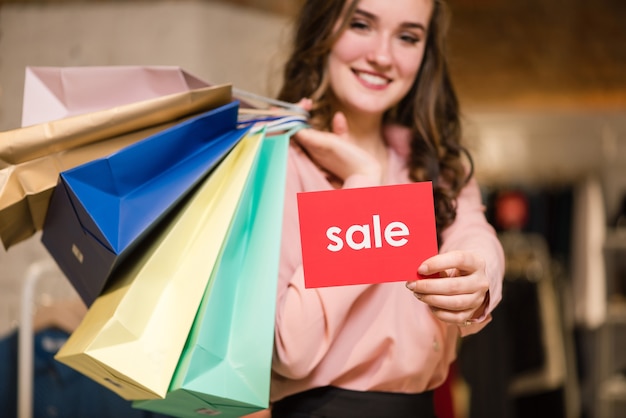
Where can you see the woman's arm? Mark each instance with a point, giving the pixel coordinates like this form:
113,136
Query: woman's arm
471,261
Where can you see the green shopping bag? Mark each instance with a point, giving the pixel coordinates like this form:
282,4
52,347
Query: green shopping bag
225,366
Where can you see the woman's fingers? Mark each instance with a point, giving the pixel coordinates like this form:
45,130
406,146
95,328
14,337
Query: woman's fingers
340,125
316,142
461,261
305,103
462,290
455,309
452,317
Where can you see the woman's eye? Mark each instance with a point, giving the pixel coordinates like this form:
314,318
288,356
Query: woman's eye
410,38
359,25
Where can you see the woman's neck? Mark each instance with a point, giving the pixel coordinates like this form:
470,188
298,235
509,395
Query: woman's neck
366,130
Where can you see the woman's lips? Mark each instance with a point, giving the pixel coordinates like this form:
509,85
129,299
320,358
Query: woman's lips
372,80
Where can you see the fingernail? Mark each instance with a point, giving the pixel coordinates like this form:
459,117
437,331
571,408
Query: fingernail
410,285
418,295
423,269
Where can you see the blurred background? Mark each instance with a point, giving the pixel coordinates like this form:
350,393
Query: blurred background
542,84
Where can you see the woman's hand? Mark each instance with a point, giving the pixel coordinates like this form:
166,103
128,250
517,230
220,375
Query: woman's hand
338,153
456,288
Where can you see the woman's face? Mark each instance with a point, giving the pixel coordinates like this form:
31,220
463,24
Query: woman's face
374,62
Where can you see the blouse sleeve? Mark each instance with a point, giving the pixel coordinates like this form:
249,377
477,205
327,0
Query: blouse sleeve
471,232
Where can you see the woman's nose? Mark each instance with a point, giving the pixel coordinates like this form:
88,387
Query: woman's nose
380,52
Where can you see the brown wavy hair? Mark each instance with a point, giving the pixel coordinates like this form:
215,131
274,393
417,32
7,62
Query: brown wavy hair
430,109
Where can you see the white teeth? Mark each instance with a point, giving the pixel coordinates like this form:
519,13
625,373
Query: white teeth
372,79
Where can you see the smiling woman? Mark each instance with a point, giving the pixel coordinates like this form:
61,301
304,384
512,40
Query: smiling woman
374,77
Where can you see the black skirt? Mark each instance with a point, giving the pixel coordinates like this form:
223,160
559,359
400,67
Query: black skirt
332,402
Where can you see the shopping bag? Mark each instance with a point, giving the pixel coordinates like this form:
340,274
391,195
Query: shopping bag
52,93
31,158
225,366
100,210
131,337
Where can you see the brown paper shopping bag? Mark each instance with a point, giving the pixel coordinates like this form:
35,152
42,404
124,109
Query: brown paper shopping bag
32,157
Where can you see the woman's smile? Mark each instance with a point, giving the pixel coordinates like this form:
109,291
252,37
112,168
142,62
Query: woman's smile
372,80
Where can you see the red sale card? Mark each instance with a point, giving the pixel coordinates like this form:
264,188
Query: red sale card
366,235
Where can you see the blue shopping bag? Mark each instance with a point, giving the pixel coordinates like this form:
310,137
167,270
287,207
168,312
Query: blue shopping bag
102,209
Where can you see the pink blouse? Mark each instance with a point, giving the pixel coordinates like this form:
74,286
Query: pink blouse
369,337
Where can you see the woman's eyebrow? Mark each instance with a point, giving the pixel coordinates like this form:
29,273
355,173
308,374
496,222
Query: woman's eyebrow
408,25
